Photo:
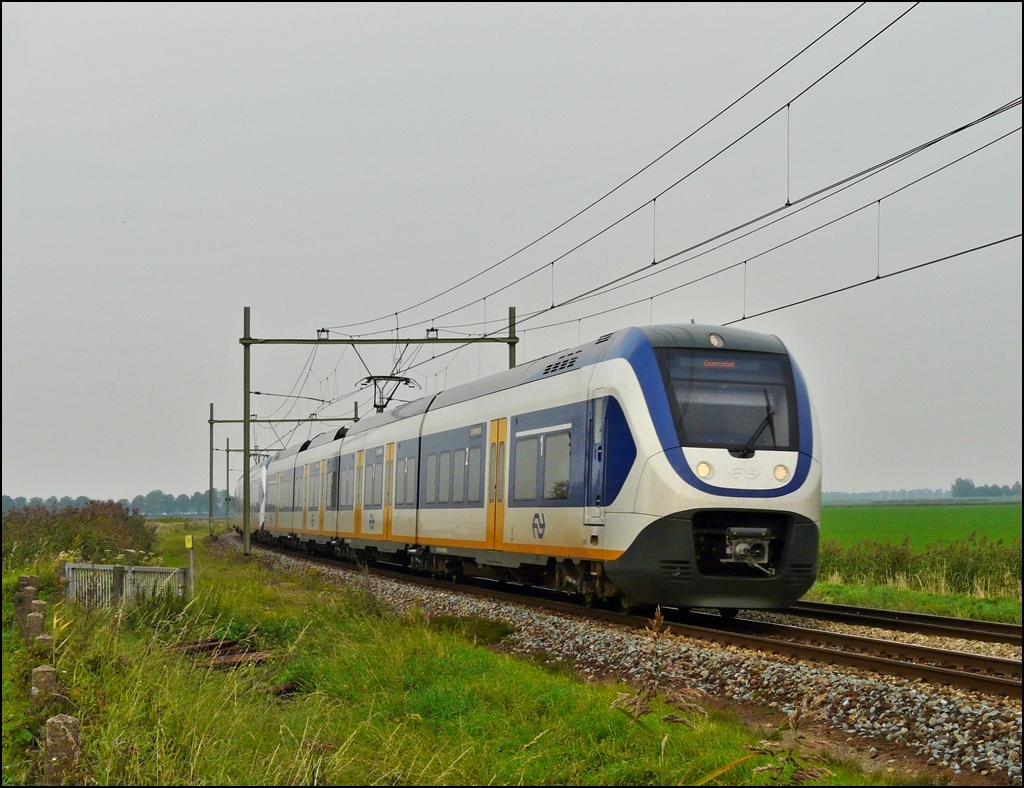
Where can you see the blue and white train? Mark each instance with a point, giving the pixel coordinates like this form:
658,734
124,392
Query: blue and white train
675,465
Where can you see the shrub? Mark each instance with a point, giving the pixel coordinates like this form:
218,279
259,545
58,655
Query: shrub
99,532
978,567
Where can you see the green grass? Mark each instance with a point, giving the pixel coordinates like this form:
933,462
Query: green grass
170,539
888,597
962,560
922,525
382,698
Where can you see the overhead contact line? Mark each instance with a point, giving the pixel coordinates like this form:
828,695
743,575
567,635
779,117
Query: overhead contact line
638,172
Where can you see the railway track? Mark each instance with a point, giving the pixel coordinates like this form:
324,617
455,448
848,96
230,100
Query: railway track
996,675
990,675
969,629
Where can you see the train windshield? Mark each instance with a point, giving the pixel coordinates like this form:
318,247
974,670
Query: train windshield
731,399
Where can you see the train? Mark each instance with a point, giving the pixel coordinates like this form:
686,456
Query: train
673,465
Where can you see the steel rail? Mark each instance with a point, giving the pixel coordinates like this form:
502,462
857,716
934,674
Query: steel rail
957,660
922,623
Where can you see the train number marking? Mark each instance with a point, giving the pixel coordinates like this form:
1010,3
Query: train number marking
539,526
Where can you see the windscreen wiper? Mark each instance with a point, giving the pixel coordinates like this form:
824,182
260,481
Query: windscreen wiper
767,421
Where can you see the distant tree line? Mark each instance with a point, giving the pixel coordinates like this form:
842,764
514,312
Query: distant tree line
961,488
917,494
966,488
154,504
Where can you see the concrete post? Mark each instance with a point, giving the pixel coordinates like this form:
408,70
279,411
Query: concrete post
43,645
62,750
33,626
44,684
117,585
23,603
24,581
37,607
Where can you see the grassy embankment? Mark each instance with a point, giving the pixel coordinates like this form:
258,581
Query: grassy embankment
381,698
955,560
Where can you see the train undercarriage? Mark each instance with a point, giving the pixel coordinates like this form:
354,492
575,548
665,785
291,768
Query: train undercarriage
710,559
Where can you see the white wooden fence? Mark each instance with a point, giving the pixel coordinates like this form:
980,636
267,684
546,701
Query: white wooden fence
102,585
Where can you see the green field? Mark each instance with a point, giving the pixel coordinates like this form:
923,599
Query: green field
956,560
922,525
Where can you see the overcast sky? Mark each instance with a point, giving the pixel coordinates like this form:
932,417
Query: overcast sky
165,166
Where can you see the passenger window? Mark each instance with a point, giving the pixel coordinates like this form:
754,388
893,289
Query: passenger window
378,485
556,466
473,472
494,470
527,451
314,490
501,471
459,476
444,477
431,477
368,485
400,483
410,481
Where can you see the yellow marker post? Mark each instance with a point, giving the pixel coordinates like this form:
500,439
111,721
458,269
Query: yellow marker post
191,566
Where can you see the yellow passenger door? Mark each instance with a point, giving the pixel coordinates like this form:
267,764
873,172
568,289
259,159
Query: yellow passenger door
496,484
389,488
358,494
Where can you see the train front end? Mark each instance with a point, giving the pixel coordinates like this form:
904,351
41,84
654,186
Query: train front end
728,501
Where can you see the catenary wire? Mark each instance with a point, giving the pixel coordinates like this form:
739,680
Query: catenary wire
734,265
619,283
647,270
835,291
876,278
640,207
612,191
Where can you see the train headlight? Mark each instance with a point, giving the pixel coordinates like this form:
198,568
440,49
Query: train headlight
781,472
704,470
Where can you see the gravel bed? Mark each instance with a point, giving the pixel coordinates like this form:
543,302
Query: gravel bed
960,730
1005,650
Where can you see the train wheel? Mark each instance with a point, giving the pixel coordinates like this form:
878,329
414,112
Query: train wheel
591,599
626,604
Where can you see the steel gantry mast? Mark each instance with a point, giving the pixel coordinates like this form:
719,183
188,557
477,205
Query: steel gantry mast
323,338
